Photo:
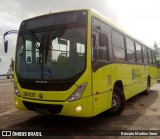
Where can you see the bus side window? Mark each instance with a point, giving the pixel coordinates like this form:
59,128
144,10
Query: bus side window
145,56
138,53
94,47
150,56
130,50
153,57
99,49
100,32
118,46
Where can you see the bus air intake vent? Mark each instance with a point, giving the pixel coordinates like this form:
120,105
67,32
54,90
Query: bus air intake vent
51,108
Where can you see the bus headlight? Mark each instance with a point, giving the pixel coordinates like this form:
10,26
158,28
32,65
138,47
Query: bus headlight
16,90
77,93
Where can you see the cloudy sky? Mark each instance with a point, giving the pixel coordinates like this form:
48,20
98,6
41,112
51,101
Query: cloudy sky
139,17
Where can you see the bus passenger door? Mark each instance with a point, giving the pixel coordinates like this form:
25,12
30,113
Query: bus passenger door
101,67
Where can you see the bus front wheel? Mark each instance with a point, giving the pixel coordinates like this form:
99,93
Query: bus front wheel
118,102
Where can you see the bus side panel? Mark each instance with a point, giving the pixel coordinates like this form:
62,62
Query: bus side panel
138,80
124,74
141,75
154,74
132,76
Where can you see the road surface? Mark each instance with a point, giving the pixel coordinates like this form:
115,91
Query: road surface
142,112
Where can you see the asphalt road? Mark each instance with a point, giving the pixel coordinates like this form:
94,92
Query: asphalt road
141,113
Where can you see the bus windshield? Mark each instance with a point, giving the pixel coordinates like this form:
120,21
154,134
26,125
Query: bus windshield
56,54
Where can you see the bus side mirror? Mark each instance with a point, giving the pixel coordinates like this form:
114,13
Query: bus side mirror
6,46
6,41
94,40
103,40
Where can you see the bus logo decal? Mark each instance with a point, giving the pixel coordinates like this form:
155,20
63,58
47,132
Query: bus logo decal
40,95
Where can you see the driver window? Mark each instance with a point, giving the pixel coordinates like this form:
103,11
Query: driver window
99,52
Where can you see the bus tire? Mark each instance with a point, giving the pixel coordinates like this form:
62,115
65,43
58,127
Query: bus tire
147,91
118,102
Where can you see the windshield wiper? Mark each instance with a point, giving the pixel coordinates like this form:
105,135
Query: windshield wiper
40,48
34,39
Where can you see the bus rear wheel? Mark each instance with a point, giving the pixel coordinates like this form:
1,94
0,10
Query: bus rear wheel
118,102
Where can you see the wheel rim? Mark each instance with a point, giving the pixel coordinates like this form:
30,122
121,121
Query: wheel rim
116,102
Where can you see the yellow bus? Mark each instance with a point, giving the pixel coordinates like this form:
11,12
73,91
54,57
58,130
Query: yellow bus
78,63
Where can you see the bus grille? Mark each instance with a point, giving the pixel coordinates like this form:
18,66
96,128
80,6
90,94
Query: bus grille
49,107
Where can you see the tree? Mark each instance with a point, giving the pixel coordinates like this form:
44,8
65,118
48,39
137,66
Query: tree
156,48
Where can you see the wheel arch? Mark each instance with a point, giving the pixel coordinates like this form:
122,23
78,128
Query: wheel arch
118,92
118,84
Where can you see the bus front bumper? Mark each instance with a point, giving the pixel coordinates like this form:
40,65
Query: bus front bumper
79,108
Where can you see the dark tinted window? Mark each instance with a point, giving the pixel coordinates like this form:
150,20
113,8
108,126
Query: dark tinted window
118,46
99,52
154,57
150,56
130,50
139,52
145,56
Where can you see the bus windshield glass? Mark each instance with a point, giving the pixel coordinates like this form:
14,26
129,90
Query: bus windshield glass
54,52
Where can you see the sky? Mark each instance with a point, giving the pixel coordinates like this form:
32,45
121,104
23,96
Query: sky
138,17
